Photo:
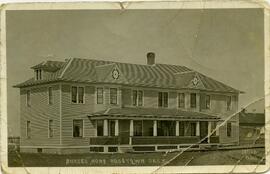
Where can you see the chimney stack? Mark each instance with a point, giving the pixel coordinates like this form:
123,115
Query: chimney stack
150,58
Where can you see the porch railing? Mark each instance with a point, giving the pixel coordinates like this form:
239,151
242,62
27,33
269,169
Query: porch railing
147,140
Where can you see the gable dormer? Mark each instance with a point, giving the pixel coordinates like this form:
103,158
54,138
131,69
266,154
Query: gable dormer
44,69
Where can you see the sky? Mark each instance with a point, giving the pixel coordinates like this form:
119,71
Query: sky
225,44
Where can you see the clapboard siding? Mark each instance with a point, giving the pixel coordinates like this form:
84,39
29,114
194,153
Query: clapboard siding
39,113
71,111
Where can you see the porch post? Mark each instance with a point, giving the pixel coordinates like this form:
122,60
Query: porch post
116,127
209,131
131,128
197,128
105,128
155,128
177,128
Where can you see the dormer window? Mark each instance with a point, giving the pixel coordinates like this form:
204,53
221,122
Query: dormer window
38,74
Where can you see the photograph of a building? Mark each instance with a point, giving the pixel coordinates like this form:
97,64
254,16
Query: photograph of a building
84,105
135,87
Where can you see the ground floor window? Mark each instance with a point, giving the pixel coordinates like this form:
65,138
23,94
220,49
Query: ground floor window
166,128
190,129
213,127
99,127
181,128
137,126
111,128
50,128
77,128
28,129
229,129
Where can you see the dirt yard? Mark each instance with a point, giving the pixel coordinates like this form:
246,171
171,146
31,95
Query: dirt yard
218,157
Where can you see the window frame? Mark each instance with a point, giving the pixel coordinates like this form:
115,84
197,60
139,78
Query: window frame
82,128
178,100
77,94
209,101
229,130
97,96
191,94
137,104
162,100
111,96
141,130
50,127
228,107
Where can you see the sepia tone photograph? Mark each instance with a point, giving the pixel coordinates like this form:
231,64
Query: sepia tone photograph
135,87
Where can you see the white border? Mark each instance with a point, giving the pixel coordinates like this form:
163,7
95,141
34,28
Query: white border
184,4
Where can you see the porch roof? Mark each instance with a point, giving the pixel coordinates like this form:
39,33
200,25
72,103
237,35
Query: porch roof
150,114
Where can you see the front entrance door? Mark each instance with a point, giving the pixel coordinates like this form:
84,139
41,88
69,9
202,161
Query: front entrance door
204,131
124,131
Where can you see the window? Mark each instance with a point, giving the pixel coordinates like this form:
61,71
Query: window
50,129
50,95
229,129
213,127
99,127
78,128
77,94
166,128
181,128
193,129
163,99
81,94
113,96
137,97
181,100
38,74
28,98
111,128
28,129
99,95
193,100
190,129
229,103
74,94
137,126
207,102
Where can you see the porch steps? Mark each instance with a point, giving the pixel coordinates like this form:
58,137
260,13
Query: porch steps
125,149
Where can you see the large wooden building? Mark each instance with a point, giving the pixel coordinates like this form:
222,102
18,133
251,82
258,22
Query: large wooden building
84,105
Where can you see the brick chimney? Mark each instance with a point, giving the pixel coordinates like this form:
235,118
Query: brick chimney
150,58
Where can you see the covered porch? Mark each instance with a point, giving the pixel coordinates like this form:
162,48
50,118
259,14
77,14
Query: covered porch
118,128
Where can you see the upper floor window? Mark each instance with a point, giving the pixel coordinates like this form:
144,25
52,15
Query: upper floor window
99,95
207,102
38,74
181,100
28,129
163,99
28,98
77,128
229,129
229,103
137,96
193,100
50,129
113,95
77,94
50,95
